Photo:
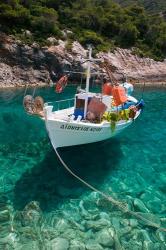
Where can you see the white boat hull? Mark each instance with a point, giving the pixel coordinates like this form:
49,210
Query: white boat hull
67,133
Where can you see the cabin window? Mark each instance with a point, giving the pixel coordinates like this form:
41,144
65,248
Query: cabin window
80,103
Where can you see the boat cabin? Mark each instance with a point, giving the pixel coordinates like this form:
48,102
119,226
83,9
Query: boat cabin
86,104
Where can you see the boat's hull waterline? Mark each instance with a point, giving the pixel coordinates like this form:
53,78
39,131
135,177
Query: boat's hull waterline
71,133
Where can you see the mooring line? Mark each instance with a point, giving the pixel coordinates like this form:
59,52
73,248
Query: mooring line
108,197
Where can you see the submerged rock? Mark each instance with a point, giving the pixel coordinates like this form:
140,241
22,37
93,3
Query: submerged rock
118,245
5,219
76,245
133,223
62,225
32,213
132,245
138,204
143,236
4,216
105,238
70,234
59,244
92,245
149,219
31,245
115,222
97,225
148,245
161,236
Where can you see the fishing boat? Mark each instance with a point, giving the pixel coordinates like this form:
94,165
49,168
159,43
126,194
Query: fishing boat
93,117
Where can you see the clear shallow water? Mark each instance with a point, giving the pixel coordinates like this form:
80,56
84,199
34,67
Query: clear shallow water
65,214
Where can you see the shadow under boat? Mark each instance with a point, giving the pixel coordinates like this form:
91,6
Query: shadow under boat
50,184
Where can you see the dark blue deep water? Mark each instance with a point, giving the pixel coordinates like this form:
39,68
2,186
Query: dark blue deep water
44,207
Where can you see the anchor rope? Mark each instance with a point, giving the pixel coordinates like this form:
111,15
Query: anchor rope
108,197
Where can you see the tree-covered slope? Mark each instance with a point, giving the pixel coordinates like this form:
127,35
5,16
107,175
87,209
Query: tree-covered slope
102,23
153,6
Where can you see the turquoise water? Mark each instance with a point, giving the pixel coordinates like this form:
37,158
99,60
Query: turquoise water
44,207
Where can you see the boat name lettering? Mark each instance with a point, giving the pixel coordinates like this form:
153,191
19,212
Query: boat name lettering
70,127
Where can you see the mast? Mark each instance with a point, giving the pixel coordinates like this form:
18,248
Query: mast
88,80
88,69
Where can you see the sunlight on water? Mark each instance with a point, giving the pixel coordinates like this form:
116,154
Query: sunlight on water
44,207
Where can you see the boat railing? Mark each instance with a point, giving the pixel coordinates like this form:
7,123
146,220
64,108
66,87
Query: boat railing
61,104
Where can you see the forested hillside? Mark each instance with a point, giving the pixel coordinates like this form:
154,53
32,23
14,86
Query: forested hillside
102,23
152,6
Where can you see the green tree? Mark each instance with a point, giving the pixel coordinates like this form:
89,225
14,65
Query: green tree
44,20
128,34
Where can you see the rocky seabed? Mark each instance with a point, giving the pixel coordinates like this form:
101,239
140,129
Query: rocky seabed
80,227
88,223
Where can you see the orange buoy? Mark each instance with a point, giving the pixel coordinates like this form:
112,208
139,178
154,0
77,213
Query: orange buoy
61,84
107,89
119,95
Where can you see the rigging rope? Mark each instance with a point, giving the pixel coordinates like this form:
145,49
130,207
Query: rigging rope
26,87
109,198
143,91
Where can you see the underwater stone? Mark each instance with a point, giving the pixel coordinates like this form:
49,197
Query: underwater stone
124,222
62,225
70,233
97,225
94,196
33,205
133,223
138,204
31,217
59,244
125,230
31,245
90,206
163,221
141,180
92,245
105,216
155,205
84,213
104,238
11,240
115,222
49,233
149,219
158,246
103,203
143,235
31,213
161,236
76,245
77,225
4,216
148,245
132,245
118,245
